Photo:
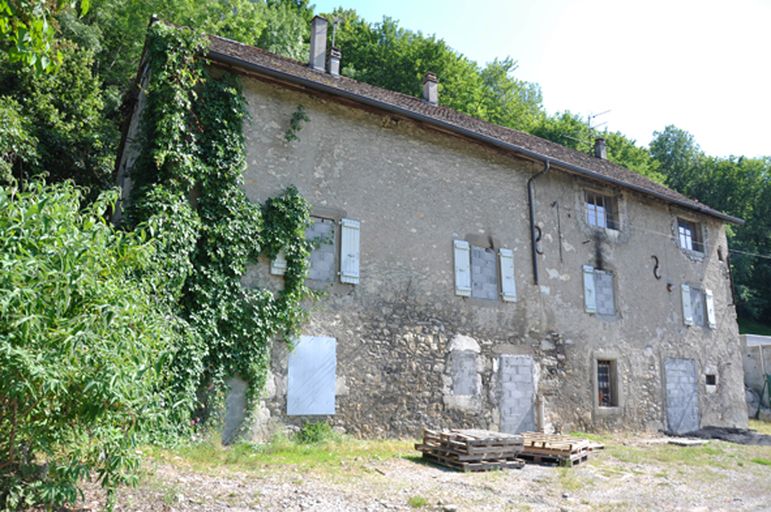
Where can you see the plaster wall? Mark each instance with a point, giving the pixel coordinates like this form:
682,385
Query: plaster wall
415,190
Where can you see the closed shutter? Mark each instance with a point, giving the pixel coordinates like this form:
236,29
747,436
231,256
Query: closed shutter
349,251
278,265
462,254
710,309
590,294
508,283
687,310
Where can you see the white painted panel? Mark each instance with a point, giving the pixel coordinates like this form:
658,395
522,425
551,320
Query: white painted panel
687,311
311,377
462,253
590,294
508,283
349,251
710,300
278,265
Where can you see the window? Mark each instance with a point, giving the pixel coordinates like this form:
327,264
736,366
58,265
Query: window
601,211
711,379
484,273
477,270
607,393
322,233
698,307
599,296
689,235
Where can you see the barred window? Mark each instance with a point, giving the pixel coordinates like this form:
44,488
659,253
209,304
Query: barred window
607,395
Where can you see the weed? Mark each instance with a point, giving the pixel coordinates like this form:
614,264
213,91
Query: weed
761,461
314,432
417,501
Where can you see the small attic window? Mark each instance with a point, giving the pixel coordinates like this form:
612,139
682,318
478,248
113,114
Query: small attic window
601,210
690,235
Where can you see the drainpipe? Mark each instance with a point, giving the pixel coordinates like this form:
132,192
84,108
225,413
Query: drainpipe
531,207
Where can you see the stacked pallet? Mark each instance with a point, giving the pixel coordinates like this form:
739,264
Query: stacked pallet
472,450
556,449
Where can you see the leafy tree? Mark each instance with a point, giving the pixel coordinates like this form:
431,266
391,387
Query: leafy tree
28,29
83,347
678,156
17,145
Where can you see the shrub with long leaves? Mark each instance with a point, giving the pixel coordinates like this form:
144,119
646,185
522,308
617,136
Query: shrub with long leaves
84,346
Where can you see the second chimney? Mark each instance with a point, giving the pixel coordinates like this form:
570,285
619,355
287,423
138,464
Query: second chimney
600,151
318,57
334,61
431,88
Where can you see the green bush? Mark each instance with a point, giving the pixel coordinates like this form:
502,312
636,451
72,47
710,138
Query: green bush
83,347
314,432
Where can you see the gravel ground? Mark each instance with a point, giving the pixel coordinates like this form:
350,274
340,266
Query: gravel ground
641,474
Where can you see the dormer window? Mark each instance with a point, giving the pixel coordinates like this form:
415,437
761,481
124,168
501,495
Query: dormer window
690,236
601,210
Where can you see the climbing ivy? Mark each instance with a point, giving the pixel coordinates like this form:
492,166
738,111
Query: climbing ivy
296,123
188,192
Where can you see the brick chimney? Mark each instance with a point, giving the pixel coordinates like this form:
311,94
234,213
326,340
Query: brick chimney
600,151
334,61
318,56
431,88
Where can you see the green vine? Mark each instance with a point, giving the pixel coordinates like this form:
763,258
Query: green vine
188,192
295,124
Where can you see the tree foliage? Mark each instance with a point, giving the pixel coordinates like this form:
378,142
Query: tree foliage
28,29
83,346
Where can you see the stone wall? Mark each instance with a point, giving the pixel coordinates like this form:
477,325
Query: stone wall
411,353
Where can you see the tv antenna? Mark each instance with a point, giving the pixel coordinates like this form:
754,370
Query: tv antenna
592,117
335,21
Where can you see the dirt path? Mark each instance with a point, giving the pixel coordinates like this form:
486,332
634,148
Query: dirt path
625,476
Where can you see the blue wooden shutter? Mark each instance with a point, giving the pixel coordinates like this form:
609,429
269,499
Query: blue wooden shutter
687,310
462,255
349,251
508,283
590,294
710,300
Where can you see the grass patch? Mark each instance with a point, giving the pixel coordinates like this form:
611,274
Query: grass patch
597,438
328,455
762,427
568,479
417,501
761,461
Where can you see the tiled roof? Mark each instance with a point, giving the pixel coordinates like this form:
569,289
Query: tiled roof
262,62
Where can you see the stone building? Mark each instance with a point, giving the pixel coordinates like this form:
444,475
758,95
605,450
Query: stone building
477,276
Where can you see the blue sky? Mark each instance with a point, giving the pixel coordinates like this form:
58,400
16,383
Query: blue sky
700,65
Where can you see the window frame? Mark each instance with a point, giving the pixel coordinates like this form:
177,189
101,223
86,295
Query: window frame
335,242
690,236
593,308
596,202
612,383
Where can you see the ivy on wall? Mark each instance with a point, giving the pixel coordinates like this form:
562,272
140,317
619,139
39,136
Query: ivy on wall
188,192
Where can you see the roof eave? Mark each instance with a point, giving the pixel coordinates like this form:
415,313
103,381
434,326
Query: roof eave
311,84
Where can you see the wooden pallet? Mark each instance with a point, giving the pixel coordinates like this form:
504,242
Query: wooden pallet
556,449
471,450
